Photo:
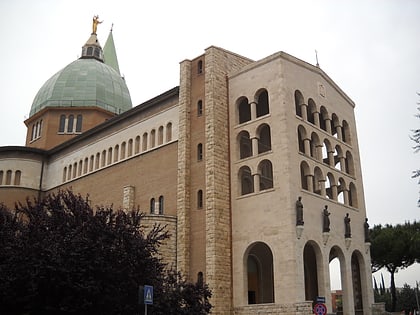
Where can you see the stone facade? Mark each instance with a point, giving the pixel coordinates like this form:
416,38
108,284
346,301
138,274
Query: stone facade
220,161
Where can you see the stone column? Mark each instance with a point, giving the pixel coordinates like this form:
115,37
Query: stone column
128,197
256,179
328,125
340,132
316,119
307,144
253,106
255,141
304,110
309,181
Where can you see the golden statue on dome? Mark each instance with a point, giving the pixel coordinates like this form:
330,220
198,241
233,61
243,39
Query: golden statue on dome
95,23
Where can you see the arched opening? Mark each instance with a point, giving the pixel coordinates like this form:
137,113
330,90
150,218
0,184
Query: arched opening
160,135
311,111
244,110
123,148
346,132
262,103
323,118
335,123
353,196
161,205
349,163
246,180
329,187
357,284
315,143
144,144
116,153
301,138
79,120
137,145
318,183
70,123
168,132
310,272
264,141
152,206
245,145
18,175
304,173
338,153
340,190
265,169
336,269
109,156
299,100
259,266
130,147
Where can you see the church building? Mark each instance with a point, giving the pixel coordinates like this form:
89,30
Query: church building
254,166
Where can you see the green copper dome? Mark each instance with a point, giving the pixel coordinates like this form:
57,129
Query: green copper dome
84,82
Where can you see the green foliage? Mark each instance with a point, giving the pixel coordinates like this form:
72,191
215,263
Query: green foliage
394,248
406,299
58,256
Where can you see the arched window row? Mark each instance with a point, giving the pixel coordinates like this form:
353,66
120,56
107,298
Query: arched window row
259,181
70,124
325,151
253,145
248,111
328,185
36,130
157,206
320,117
10,177
119,152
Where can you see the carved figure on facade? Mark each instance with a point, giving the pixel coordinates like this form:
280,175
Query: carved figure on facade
366,229
299,211
326,219
347,228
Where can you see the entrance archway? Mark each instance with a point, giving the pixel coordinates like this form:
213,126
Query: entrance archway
310,265
259,264
357,283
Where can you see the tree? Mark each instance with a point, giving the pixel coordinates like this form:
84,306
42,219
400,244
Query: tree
59,256
394,248
416,138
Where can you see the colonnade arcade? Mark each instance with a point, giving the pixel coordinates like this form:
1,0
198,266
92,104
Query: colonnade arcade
260,277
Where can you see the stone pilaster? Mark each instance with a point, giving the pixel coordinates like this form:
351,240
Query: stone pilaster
184,158
218,217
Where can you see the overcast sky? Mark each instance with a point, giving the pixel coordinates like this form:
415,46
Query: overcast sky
371,49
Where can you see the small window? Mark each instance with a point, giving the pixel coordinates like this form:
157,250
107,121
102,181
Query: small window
161,205
79,123
199,108
200,67
90,51
70,124
62,123
200,152
200,199
152,206
18,175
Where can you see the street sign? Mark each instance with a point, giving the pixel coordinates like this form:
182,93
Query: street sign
320,309
320,299
148,294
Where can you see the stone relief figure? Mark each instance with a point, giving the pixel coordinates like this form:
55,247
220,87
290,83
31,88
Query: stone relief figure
326,221
299,211
366,228
347,229
95,23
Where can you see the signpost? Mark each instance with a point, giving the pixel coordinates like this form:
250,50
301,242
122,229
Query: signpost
320,309
148,297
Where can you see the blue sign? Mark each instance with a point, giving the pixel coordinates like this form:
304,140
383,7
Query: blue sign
320,299
148,294
320,309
